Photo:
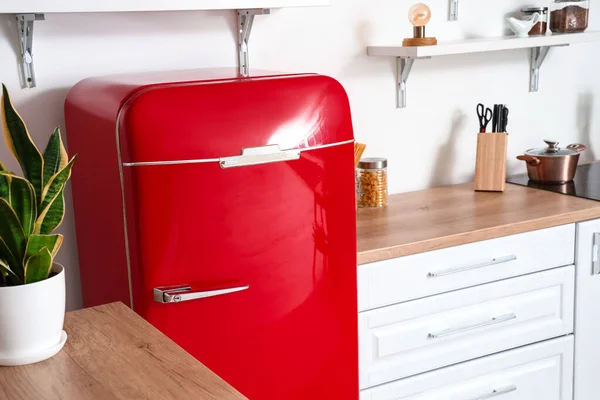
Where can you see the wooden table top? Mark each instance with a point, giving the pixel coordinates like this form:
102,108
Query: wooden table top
112,353
448,216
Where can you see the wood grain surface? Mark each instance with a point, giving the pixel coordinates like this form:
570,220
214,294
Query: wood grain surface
490,166
112,353
453,215
412,42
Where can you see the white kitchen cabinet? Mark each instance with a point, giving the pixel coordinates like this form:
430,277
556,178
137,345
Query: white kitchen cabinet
587,312
426,274
418,336
542,371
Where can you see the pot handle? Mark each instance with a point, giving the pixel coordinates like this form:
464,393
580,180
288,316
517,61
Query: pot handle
531,160
578,147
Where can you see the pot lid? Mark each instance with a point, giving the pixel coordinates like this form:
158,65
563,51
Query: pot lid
551,151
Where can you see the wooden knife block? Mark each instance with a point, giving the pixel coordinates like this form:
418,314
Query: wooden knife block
490,168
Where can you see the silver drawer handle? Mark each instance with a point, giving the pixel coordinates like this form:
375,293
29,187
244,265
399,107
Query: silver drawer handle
596,255
260,155
176,294
451,331
451,271
498,392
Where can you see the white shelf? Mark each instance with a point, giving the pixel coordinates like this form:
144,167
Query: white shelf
74,6
483,45
29,11
538,45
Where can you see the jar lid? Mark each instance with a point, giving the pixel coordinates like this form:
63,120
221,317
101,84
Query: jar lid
551,151
565,3
372,163
531,10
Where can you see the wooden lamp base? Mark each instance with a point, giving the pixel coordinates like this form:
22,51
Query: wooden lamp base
426,41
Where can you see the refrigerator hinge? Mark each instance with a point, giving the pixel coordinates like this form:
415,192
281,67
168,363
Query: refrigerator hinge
25,32
245,21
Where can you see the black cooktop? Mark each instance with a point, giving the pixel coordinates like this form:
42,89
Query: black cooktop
586,183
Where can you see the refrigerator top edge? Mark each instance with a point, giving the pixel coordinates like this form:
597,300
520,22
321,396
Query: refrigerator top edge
223,118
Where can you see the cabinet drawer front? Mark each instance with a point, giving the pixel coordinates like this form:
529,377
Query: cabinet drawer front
420,275
541,371
411,338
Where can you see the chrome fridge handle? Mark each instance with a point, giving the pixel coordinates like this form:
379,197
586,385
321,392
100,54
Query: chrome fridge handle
498,392
451,331
451,271
176,294
260,155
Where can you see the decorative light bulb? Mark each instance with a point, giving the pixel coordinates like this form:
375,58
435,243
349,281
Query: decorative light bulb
419,14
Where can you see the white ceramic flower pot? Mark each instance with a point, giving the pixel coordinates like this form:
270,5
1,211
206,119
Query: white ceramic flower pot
31,320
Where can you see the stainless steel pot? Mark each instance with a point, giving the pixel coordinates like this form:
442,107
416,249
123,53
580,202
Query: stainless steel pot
552,164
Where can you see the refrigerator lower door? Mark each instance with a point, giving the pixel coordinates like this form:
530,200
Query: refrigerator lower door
252,268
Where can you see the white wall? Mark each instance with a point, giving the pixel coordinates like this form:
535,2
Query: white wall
430,143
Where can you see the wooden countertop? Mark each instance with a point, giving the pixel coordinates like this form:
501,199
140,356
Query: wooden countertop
112,353
453,215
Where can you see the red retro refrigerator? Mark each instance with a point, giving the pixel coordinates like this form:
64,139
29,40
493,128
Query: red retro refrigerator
221,209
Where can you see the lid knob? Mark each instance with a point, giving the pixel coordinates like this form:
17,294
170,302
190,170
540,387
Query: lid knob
552,146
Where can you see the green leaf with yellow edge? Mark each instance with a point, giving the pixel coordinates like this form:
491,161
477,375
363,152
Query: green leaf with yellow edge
55,156
5,186
8,275
38,242
15,264
54,215
11,231
21,145
21,197
38,266
55,185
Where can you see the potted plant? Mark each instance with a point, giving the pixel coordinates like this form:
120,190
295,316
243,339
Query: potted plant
32,286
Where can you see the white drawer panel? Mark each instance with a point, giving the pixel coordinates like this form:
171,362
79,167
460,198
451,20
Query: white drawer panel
542,371
421,275
411,338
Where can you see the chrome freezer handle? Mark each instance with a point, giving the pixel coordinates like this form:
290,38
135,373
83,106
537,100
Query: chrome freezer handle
176,294
259,155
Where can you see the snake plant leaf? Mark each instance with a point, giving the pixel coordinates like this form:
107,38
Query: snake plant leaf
7,274
55,185
21,197
5,186
11,231
37,267
38,242
21,145
54,215
15,264
55,156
